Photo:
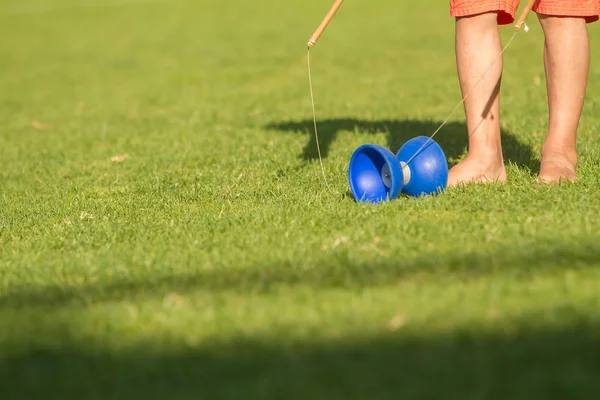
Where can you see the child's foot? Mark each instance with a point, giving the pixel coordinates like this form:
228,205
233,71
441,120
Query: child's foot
476,170
556,167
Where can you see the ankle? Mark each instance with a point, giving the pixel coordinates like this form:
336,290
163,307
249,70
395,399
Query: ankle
487,156
559,151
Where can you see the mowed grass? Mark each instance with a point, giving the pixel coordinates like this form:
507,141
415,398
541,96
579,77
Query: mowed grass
210,261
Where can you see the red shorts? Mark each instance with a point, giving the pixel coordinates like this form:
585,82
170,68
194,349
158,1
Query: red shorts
588,9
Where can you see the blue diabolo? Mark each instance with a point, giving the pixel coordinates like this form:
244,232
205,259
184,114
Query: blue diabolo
374,174
427,172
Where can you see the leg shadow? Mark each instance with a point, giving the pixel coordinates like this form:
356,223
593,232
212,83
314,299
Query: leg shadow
452,138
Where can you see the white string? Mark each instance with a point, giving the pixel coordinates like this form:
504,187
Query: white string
464,98
312,99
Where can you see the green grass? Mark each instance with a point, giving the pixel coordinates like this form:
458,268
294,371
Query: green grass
213,263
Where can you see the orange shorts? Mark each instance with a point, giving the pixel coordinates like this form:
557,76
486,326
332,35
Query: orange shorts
588,9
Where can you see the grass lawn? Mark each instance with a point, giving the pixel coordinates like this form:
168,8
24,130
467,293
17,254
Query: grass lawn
165,232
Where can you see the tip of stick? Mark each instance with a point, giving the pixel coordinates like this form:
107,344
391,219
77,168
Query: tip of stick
311,43
519,26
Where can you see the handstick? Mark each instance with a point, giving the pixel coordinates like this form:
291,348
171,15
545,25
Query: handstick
313,39
524,14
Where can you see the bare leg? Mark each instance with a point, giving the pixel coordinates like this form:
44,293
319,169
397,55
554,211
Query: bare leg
567,60
478,45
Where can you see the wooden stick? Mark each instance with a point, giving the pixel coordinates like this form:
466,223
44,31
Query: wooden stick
313,39
524,14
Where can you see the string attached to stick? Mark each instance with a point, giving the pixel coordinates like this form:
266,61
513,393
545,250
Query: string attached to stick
520,23
312,100
463,99
312,42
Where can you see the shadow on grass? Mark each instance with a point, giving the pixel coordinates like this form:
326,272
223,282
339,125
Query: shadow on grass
336,271
452,138
526,361
524,358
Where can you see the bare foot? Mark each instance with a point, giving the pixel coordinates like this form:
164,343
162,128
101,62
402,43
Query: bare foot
556,168
476,170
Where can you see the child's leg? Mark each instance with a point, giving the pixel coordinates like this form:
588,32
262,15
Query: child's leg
477,46
566,59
